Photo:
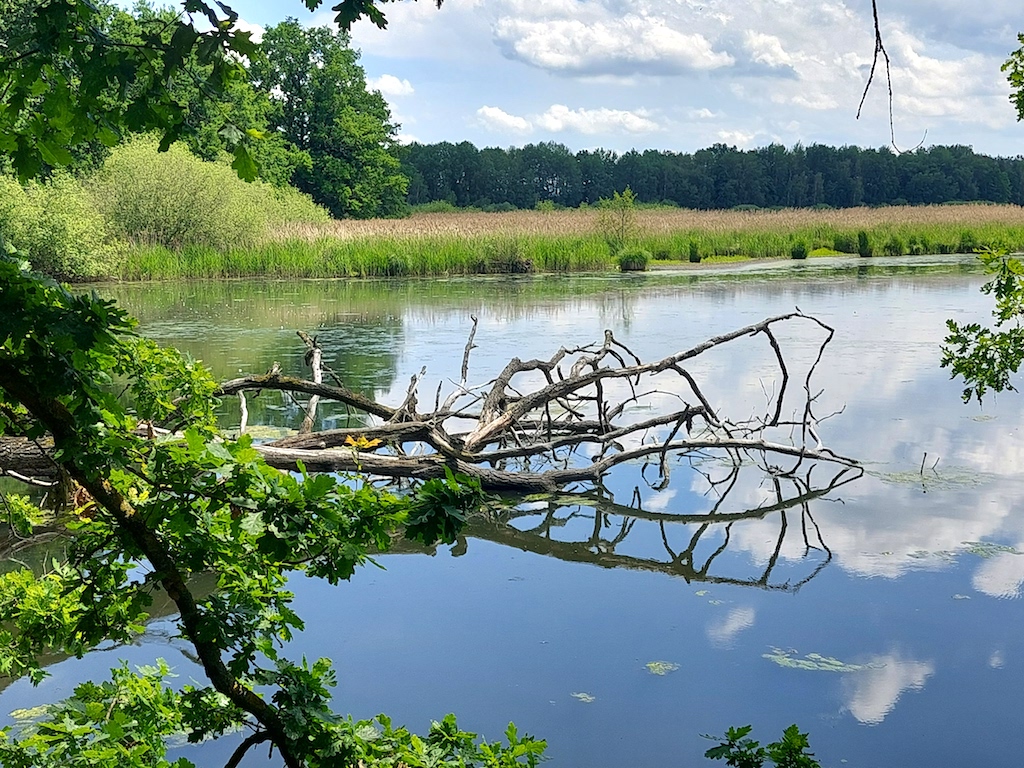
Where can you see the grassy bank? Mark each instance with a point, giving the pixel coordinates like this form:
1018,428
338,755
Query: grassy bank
568,241
148,215
327,256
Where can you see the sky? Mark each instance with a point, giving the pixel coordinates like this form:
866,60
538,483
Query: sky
681,75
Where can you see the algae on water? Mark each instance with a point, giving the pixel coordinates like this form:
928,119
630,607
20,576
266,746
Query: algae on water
814,661
586,698
661,667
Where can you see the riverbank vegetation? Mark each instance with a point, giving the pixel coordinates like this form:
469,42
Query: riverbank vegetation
148,215
464,243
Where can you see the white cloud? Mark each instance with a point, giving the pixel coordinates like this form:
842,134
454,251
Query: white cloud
496,119
559,118
738,138
623,45
767,49
256,31
390,86
703,114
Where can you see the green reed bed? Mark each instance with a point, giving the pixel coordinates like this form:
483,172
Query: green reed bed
372,257
894,239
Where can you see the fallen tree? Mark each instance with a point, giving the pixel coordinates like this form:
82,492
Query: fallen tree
542,425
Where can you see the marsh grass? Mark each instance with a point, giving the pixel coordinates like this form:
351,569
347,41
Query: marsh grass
461,243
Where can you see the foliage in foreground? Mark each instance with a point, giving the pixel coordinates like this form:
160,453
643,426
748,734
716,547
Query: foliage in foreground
791,751
986,358
162,511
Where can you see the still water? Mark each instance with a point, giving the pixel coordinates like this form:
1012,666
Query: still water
883,617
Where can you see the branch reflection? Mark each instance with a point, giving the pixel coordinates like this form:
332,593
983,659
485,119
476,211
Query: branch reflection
606,530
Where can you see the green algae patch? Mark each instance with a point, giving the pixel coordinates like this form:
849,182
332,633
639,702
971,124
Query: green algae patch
661,667
814,662
987,549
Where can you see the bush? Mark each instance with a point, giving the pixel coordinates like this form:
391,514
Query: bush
57,228
499,208
844,243
968,242
435,206
545,206
894,246
798,251
633,259
174,199
864,245
694,252
505,257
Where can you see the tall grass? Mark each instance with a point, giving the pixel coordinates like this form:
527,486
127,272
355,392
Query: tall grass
150,215
373,257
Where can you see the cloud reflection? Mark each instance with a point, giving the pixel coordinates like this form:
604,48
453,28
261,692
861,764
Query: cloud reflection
1000,575
872,693
722,632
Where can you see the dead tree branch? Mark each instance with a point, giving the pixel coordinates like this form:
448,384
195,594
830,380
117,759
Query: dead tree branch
565,421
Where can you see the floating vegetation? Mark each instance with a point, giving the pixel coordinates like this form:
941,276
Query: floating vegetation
701,592
660,667
987,549
961,597
586,698
944,479
815,662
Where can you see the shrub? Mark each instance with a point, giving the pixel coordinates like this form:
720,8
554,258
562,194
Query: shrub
694,252
894,246
546,206
56,227
504,257
864,245
844,243
435,206
175,199
617,221
968,242
633,259
499,208
798,251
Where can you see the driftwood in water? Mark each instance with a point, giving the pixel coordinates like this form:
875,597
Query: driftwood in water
548,424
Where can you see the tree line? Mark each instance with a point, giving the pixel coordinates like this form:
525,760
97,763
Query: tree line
718,177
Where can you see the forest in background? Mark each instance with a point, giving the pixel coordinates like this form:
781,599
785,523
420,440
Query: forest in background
719,177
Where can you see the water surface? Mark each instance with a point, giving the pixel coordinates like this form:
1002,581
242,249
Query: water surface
884,617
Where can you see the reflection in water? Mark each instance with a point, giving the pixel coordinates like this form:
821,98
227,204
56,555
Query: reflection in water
871,693
1000,575
606,530
722,632
902,546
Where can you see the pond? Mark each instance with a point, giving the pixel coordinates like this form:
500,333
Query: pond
883,617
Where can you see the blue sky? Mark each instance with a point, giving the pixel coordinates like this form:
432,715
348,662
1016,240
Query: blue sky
684,74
